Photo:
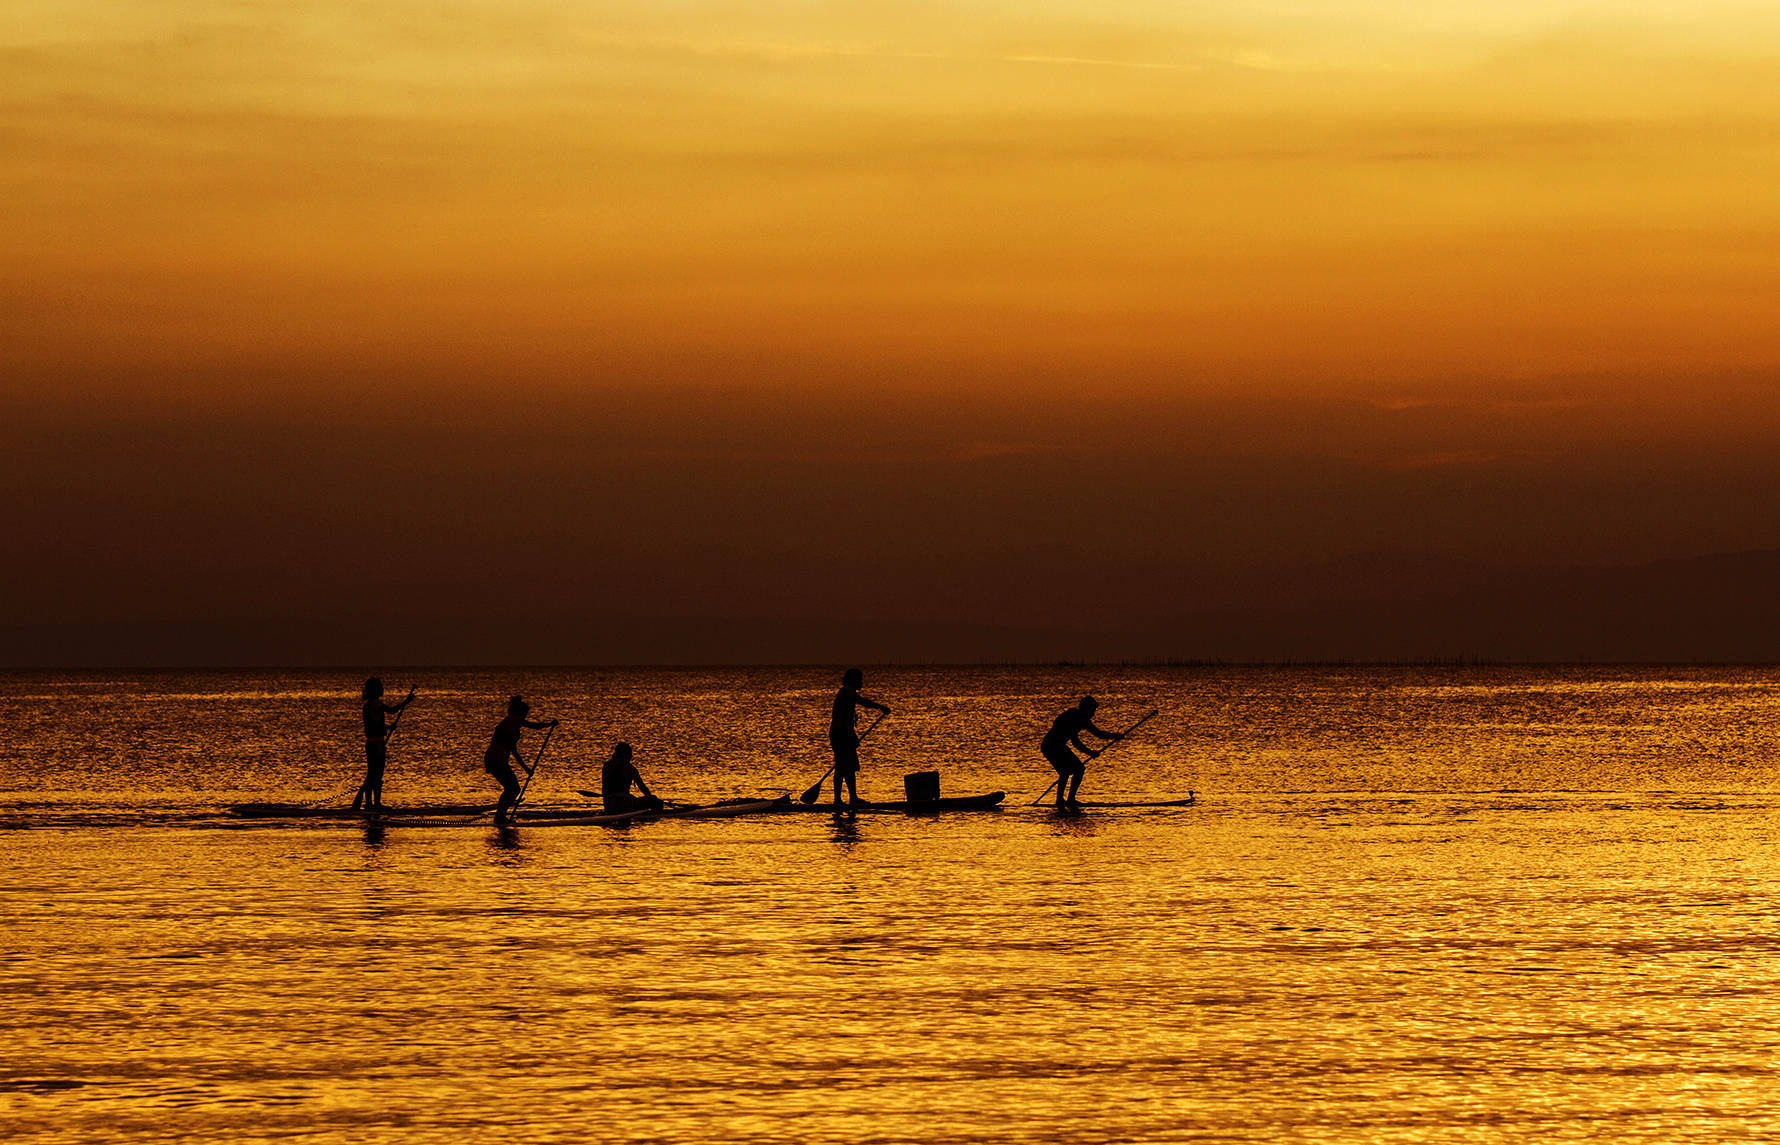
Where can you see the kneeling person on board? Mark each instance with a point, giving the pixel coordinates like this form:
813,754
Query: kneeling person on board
1066,732
616,778
843,734
370,792
504,745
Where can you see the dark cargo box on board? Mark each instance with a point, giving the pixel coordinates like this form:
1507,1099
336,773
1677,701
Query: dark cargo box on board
921,786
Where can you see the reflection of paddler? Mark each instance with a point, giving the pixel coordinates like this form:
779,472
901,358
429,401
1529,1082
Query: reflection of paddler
1066,732
503,746
370,792
843,734
616,778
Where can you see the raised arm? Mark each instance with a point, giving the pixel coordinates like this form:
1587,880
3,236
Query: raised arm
868,702
540,723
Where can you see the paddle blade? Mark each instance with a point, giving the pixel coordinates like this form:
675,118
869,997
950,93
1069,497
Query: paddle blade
809,796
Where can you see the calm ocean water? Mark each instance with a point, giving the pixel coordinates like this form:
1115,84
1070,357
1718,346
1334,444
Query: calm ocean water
1419,904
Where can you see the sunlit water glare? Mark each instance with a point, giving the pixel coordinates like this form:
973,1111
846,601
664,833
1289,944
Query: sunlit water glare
1412,905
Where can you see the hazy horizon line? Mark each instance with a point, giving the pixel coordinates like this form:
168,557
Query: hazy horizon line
837,665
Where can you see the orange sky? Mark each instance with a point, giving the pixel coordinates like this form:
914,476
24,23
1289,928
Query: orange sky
1529,245
1277,194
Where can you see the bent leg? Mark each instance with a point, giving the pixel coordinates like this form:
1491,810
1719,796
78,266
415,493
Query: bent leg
1067,765
509,789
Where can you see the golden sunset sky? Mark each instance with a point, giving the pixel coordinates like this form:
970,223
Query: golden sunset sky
1531,247
1254,193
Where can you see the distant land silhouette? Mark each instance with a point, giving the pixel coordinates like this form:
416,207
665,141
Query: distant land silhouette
1385,606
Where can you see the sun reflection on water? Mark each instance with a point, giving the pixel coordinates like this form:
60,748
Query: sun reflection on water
1307,954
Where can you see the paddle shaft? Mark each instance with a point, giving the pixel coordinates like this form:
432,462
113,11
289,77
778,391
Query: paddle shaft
1146,718
815,789
664,802
397,722
1141,721
536,756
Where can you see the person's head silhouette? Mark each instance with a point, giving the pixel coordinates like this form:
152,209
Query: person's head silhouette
373,688
853,678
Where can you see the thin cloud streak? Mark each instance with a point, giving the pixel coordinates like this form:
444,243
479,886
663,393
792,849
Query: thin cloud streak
780,51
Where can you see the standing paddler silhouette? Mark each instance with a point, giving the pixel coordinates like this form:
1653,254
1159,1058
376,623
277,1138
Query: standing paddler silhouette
843,733
370,792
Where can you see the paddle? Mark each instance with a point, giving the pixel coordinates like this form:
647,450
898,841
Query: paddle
809,796
664,802
536,756
397,722
1095,755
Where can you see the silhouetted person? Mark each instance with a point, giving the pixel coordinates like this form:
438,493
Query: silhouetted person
843,734
616,778
370,792
503,746
1066,732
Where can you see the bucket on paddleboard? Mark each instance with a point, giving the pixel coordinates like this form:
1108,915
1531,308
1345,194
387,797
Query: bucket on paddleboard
921,787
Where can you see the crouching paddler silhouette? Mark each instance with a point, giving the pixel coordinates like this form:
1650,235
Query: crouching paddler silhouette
1066,733
504,746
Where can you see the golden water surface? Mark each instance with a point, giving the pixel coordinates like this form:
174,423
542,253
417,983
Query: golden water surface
1411,905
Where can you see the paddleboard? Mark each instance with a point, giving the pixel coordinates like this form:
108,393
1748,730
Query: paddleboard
905,807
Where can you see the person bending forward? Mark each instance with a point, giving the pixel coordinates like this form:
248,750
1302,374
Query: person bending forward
1066,732
504,746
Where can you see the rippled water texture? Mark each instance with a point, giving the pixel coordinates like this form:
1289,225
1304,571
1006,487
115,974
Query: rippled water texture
1412,905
